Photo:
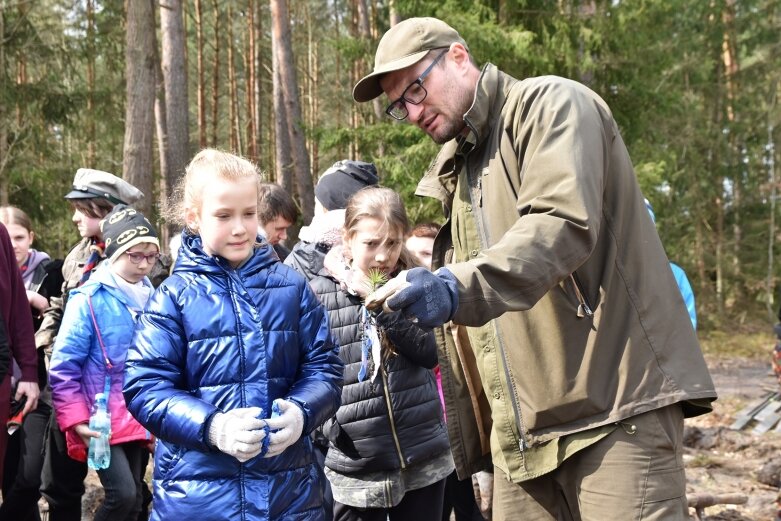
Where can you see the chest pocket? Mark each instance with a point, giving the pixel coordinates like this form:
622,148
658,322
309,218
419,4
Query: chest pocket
466,240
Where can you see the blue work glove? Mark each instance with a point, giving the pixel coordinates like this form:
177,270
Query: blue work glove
431,299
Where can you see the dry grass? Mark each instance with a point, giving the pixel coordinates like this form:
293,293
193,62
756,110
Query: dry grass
754,343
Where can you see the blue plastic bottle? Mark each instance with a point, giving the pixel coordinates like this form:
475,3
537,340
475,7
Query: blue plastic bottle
99,456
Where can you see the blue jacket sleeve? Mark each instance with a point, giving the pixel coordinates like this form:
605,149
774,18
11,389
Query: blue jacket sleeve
155,376
686,291
318,388
67,363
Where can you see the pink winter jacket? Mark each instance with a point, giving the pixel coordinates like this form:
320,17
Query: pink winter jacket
78,366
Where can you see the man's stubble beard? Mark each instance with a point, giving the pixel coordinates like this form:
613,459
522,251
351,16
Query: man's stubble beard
461,101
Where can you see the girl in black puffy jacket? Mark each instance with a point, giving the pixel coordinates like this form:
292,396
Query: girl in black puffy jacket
389,453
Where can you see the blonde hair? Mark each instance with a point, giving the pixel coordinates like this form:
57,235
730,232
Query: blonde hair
207,165
14,215
385,205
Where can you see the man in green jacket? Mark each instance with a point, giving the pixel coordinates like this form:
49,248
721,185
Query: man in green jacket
586,357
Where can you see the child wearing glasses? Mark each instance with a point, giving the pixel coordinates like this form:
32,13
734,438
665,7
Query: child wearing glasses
232,365
89,358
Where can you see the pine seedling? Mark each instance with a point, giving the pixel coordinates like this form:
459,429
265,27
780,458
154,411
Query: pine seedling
375,279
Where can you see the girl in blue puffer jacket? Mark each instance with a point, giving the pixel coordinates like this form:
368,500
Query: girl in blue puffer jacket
232,336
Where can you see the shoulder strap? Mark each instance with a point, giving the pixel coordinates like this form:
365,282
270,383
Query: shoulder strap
97,331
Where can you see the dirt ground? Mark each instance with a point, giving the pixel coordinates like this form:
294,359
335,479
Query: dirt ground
718,460
724,461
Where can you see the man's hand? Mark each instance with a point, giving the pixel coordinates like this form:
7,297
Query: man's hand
286,428
238,432
431,299
29,390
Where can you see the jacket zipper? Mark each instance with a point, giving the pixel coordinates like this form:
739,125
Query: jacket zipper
390,416
584,310
478,216
233,290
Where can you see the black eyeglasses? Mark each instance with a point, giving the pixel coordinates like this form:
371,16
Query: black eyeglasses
136,257
415,93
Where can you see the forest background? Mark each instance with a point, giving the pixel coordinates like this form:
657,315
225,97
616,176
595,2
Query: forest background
137,87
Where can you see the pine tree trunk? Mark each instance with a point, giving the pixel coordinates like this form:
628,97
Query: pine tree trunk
174,68
235,135
394,16
771,242
201,81
249,60
731,75
313,94
137,165
283,161
216,75
91,132
257,90
286,66
339,104
161,126
3,115
364,31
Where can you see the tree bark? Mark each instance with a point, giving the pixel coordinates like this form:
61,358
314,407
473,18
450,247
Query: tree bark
289,84
257,90
250,72
282,154
201,81
162,144
313,93
137,165
175,80
3,114
395,17
91,132
233,91
364,31
771,167
216,75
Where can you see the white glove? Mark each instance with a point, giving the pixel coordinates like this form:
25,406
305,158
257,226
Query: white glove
286,428
483,485
238,433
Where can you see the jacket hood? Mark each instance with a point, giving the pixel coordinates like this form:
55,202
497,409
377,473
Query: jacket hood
192,257
104,277
35,258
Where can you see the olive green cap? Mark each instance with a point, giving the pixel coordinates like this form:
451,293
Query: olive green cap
405,44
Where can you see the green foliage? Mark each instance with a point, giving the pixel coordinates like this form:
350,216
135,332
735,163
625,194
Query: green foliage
699,139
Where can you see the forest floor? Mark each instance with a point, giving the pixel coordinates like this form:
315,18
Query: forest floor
718,460
724,461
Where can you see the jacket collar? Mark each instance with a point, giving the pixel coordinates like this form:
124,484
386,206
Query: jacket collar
440,179
192,257
104,277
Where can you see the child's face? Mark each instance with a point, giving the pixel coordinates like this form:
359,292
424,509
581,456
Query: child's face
374,245
228,219
22,241
422,248
88,226
126,266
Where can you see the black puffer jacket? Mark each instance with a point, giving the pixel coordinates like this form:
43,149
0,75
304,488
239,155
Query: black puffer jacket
307,258
367,434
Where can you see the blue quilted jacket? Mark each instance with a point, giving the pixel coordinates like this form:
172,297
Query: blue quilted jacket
214,338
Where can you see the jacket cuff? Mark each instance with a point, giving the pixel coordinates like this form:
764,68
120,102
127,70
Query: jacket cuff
29,373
